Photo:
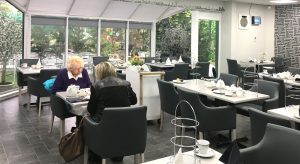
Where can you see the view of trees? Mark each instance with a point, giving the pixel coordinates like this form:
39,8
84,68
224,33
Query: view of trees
173,35
140,41
83,39
207,45
113,42
11,34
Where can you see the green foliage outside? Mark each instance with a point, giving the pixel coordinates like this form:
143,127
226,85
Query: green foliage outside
112,41
173,35
83,39
11,30
207,45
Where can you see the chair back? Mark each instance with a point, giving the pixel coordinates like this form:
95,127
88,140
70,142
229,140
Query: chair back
279,145
279,64
294,70
233,67
99,59
29,62
181,70
121,75
59,107
149,59
229,79
259,122
210,118
269,88
121,132
168,97
282,94
203,69
46,74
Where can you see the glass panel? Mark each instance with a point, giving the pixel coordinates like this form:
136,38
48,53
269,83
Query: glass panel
173,37
48,43
113,43
83,42
208,41
140,42
11,41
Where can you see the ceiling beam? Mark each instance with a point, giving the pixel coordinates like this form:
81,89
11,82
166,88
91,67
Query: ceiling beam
133,12
162,16
27,5
16,4
164,12
105,8
71,7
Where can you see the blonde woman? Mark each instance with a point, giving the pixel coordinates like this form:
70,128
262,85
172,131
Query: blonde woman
75,73
108,91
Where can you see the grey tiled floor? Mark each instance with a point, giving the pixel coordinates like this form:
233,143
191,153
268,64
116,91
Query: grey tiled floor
24,137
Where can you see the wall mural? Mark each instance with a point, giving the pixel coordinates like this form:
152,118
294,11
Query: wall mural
287,32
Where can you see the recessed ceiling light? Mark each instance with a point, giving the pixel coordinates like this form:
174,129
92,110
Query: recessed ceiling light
283,1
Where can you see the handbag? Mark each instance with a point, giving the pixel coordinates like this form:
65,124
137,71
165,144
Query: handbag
72,145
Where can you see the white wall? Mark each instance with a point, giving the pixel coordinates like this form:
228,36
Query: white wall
240,44
258,38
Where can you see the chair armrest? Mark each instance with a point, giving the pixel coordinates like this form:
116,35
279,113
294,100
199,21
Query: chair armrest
33,84
270,104
248,155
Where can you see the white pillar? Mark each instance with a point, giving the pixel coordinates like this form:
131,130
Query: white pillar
99,38
66,41
127,42
27,35
153,39
194,36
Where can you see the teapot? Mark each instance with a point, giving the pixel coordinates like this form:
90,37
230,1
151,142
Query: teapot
72,90
220,84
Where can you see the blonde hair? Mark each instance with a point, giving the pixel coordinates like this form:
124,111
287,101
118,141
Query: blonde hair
104,69
74,61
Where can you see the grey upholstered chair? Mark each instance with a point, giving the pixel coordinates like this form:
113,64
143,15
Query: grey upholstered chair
22,79
36,87
282,90
229,79
121,132
59,109
294,70
264,87
99,59
210,118
168,99
234,68
259,122
179,71
248,79
121,75
203,69
279,145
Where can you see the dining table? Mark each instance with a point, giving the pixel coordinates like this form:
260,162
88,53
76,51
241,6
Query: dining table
203,87
290,112
78,108
199,160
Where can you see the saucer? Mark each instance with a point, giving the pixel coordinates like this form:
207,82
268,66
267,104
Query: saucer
210,153
178,82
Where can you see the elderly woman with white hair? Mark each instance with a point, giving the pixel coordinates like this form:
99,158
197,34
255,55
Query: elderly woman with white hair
74,74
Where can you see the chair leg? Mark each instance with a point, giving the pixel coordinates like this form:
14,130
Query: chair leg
103,161
86,154
161,119
20,89
51,123
40,106
28,101
136,159
142,157
201,135
233,134
62,127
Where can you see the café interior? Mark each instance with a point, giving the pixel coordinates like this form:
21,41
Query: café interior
217,81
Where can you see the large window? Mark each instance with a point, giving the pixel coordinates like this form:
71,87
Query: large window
113,39
11,44
83,39
140,39
48,40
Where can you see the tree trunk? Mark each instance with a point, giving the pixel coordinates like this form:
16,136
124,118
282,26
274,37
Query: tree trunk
3,73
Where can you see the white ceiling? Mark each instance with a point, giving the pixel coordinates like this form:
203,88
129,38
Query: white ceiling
114,9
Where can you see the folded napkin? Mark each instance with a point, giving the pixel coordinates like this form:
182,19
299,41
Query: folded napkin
231,154
168,61
145,68
180,60
179,157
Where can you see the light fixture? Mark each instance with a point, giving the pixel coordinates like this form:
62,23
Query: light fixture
283,1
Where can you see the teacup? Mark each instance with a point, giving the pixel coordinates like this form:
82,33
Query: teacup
240,93
33,66
153,61
265,71
203,146
24,65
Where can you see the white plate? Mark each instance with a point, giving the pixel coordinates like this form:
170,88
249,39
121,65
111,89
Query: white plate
210,153
217,91
179,82
168,64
